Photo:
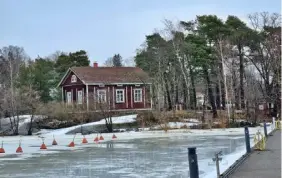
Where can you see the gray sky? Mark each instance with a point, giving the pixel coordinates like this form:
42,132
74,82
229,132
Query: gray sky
104,27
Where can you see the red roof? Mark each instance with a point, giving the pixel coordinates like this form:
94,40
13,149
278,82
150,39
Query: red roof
111,74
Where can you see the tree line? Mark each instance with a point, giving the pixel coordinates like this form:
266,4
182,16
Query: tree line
229,61
27,84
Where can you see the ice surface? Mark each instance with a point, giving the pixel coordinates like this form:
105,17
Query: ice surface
143,145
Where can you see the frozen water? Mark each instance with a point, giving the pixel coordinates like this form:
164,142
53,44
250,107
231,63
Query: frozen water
133,154
143,157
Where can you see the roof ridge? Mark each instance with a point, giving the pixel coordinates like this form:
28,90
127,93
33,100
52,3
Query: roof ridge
110,74
105,67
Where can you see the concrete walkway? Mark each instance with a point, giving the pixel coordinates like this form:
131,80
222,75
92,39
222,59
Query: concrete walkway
263,164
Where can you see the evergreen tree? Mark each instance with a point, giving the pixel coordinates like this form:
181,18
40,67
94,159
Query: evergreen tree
117,60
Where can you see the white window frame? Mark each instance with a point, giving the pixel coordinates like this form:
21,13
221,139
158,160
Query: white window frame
118,100
79,100
105,96
141,95
73,78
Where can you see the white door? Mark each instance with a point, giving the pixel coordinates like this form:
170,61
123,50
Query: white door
79,97
69,97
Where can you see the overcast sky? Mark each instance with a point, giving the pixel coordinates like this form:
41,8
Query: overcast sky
104,27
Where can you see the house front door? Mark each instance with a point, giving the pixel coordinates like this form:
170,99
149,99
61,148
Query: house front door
69,97
79,97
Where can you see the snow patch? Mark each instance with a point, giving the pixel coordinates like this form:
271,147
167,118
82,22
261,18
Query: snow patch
115,120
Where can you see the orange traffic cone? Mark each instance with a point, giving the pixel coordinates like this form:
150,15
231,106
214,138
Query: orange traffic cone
2,149
84,140
19,149
54,141
71,144
114,136
43,146
96,139
101,138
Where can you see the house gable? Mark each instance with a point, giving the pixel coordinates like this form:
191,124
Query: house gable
70,79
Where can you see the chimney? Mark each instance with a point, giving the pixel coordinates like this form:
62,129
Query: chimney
95,64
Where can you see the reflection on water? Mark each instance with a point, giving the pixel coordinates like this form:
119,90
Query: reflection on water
154,157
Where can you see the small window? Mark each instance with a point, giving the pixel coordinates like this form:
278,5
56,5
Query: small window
102,96
119,95
79,97
137,95
73,79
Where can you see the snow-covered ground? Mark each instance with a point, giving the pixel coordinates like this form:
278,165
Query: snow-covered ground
23,121
115,120
31,144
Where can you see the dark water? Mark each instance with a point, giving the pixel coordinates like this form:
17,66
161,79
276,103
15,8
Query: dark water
154,157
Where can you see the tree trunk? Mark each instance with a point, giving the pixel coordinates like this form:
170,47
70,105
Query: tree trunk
217,96
153,96
210,92
176,94
164,102
242,93
17,125
184,95
235,90
193,97
109,124
255,115
222,88
167,93
248,110
223,102
222,77
204,109
29,132
173,84
278,100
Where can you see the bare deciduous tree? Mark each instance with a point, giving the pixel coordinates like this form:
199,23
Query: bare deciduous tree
265,55
12,57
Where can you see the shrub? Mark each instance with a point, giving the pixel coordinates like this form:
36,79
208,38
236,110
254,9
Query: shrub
146,118
151,118
184,127
182,114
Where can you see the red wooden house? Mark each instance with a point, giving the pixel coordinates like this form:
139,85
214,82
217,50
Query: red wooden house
121,88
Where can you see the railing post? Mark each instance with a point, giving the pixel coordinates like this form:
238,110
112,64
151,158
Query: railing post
193,163
265,129
217,159
273,123
247,140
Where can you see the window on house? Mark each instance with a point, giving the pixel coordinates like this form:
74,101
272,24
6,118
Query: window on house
119,95
69,97
102,96
137,95
73,79
79,97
